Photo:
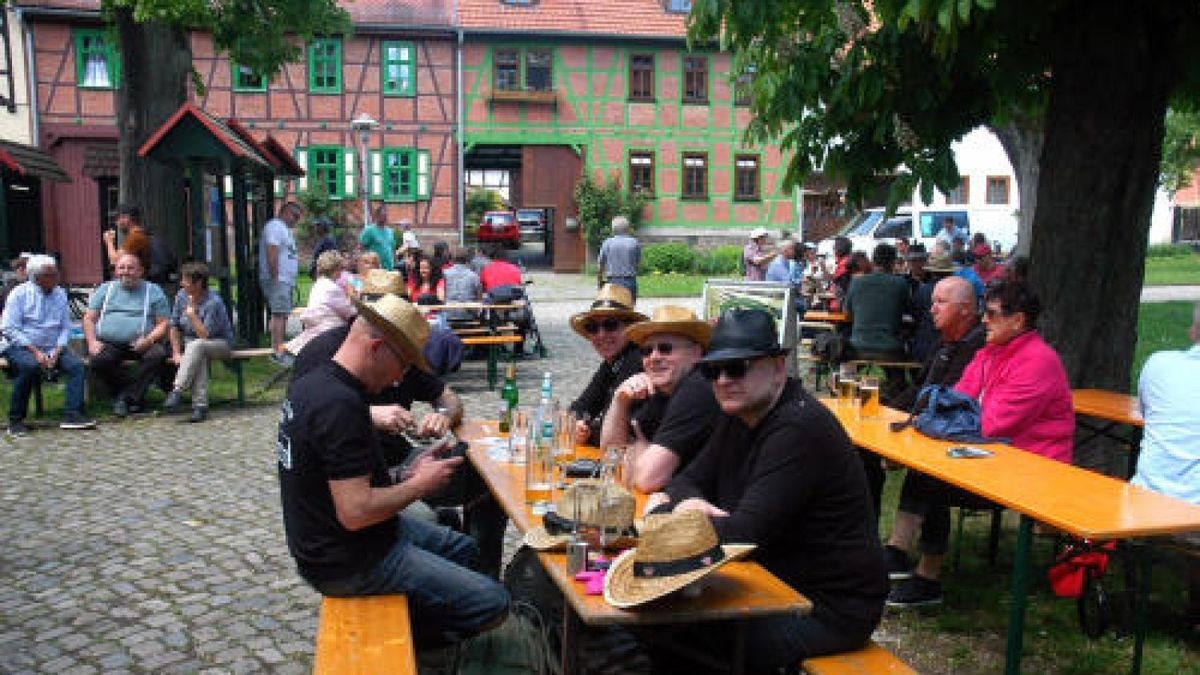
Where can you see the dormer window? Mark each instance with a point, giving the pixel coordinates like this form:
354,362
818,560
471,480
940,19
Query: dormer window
677,6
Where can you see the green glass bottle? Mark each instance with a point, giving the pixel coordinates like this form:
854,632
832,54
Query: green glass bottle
509,395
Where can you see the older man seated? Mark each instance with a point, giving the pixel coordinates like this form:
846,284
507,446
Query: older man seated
37,327
778,471
604,325
665,412
1022,388
126,320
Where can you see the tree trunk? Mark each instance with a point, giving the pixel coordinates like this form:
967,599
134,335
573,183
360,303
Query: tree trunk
1021,137
156,59
1112,73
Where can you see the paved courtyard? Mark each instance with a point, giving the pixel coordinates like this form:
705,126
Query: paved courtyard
153,546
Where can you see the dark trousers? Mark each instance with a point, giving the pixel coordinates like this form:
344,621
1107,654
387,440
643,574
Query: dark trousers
931,499
108,366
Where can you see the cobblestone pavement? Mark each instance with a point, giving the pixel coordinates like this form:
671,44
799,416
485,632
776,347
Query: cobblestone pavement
153,546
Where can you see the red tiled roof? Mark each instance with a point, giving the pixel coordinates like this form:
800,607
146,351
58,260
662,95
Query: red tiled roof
399,12
633,18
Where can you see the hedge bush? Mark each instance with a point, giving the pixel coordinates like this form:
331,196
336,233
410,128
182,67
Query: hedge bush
722,260
1168,251
668,257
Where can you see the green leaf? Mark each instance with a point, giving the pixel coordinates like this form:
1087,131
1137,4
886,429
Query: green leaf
964,10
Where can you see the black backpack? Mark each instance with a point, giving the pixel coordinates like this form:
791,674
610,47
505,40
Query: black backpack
163,262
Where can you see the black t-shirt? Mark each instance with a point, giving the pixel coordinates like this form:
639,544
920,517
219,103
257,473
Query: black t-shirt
594,399
682,422
794,486
944,366
325,433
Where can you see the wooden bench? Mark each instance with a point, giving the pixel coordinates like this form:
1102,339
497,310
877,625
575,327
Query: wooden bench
872,659
473,331
234,362
370,635
493,344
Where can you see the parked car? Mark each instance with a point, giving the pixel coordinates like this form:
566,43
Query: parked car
532,223
501,227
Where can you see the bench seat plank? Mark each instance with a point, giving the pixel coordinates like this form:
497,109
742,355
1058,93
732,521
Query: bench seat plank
369,635
871,659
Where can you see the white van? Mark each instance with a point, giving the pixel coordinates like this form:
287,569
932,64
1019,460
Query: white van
869,228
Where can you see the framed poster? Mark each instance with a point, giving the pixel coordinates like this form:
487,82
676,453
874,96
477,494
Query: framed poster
777,298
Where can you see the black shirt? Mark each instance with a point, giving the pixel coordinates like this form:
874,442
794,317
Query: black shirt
945,365
598,393
325,433
794,486
681,422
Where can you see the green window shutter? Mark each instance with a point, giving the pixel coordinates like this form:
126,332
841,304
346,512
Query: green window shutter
376,160
349,173
423,187
399,68
302,161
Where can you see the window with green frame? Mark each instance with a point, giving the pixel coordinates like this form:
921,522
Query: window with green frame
523,69
97,63
325,66
245,79
400,174
399,63
331,166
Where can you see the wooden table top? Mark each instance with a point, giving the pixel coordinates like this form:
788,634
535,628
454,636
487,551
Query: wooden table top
1108,405
738,590
822,315
1082,502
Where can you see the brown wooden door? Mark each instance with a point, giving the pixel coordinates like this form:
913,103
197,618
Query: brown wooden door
548,177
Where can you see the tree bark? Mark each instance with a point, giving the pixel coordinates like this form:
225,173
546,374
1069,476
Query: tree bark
1112,73
156,59
1021,137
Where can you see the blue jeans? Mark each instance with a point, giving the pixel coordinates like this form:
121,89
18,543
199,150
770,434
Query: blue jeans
27,372
429,564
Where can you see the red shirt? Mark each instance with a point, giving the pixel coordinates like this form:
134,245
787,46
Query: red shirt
500,273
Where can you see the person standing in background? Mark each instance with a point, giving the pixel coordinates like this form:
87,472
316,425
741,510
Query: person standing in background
378,237
277,266
619,259
755,256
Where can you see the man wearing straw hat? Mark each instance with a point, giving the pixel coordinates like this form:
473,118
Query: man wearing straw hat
340,505
665,412
604,326
779,472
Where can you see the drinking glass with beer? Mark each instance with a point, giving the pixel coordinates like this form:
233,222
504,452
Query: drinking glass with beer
868,392
847,386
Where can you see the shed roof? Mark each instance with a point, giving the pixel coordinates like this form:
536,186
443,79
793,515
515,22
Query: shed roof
27,160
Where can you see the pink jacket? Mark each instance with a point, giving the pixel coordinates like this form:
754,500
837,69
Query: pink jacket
1023,390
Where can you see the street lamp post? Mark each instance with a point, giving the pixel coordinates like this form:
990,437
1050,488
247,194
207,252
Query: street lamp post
364,124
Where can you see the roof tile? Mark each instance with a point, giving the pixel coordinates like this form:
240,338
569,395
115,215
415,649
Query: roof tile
632,18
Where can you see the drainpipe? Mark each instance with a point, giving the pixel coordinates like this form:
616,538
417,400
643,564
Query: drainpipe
458,132
30,78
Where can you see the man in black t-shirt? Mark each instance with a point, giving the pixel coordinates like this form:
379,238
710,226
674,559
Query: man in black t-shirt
778,471
604,325
664,413
340,505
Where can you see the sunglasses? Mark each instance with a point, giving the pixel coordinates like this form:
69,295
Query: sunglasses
609,325
734,370
664,348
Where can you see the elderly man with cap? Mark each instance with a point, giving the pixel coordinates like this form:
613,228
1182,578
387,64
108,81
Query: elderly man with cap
37,327
604,325
619,258
341,508
778,471
755,257
665,412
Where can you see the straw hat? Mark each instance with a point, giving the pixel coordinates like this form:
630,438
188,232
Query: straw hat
612,300
939,263
671,319
675,550
616,514
401,323
381,281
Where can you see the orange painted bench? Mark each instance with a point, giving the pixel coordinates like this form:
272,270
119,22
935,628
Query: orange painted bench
493,344
370,635
871,659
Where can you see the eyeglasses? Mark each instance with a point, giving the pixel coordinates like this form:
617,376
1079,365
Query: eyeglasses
735,369
664,348
608,325
404,364
993,313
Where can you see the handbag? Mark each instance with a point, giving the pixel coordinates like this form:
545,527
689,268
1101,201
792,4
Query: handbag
943,413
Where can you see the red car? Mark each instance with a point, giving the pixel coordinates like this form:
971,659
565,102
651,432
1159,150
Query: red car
499,226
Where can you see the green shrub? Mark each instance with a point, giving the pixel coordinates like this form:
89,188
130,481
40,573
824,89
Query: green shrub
722,260
1168,251
668,257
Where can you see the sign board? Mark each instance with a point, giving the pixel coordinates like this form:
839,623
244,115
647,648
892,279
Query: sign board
775,297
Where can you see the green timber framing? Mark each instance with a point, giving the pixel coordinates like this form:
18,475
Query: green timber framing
593,112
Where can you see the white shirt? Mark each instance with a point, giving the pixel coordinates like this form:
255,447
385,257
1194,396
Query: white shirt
1169,397
277,233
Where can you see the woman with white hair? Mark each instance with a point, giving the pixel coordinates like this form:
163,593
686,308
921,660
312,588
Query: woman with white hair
328,304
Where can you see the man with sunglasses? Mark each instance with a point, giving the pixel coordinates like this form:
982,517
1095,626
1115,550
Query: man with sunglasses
603,325
341,508
779,471
665,412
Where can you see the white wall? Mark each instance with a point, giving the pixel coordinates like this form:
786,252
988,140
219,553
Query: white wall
16,126
979,156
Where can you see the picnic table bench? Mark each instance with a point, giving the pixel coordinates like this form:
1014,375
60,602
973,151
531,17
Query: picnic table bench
367,635
870,660
493,344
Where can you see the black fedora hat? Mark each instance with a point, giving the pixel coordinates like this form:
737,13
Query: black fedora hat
741,334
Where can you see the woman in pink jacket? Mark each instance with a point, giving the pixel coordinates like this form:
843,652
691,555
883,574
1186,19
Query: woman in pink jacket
1018,378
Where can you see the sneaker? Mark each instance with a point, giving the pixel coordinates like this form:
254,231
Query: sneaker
74,420
172,401
916,591
121,407
897,562
199,414
17,429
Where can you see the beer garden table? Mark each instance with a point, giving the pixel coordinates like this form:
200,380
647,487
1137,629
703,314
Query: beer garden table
1114,409
1081,502
739,590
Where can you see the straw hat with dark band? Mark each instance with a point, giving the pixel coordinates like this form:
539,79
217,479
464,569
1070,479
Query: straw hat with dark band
674,320
402,325
612,301
675,550
600,505
380,281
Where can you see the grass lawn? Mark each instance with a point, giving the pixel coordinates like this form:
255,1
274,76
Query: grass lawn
1176,271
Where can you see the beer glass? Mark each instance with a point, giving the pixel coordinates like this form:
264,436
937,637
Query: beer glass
847,385
564,444
518,435
539,472
868,392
